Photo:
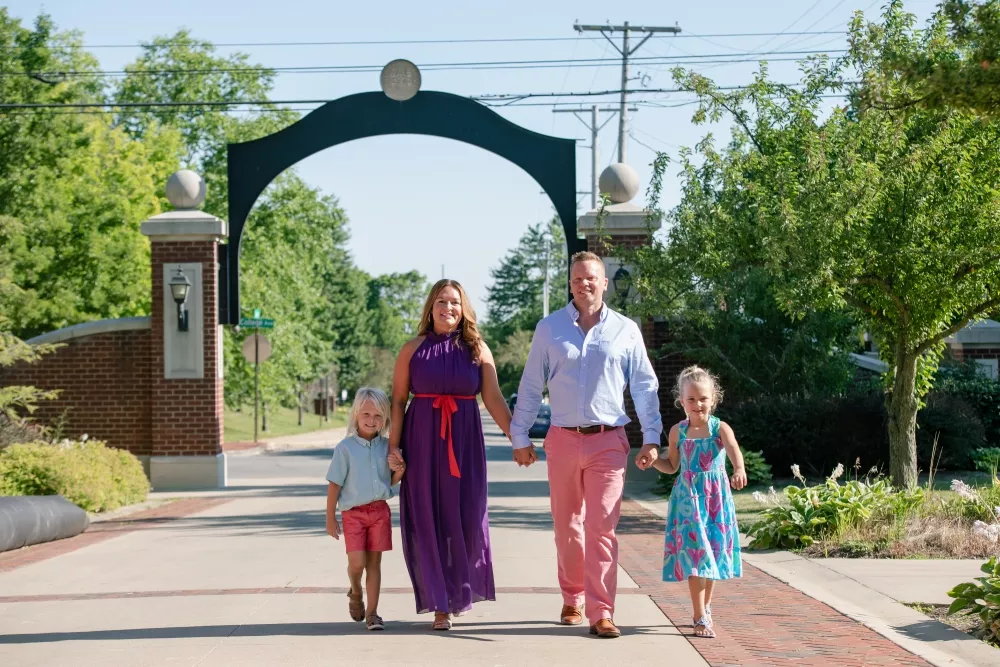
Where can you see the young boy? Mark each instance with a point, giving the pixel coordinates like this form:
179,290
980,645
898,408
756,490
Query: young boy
361,482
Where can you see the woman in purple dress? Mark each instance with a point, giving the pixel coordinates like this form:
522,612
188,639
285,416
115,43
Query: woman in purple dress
442,502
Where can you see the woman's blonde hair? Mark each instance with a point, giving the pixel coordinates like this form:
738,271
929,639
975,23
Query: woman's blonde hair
701,377
470,332
377,398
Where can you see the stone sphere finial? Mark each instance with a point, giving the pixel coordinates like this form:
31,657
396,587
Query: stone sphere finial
186,190
620,182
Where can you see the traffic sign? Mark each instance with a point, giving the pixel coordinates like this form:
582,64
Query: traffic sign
256,323
252,348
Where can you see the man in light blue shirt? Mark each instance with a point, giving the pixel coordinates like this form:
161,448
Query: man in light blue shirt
586,354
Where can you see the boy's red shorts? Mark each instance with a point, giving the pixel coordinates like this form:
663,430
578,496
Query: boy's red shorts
368,527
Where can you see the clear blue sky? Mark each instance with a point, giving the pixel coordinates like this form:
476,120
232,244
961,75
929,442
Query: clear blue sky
421,202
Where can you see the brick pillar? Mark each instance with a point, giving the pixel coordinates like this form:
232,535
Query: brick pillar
186,365
624,225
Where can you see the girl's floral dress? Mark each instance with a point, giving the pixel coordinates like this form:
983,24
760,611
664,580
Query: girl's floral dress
702,538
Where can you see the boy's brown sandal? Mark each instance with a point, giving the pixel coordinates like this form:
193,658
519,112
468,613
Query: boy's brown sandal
570,615
605,629
356,606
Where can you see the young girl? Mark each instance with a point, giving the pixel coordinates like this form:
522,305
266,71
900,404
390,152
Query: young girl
361,482
702,542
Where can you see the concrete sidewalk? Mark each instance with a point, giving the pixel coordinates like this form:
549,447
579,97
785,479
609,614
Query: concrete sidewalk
256,581
247,576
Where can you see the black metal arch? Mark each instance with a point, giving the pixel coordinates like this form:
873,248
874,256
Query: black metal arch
551,161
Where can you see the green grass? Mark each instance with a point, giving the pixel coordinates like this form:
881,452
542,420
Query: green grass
748,510
280,421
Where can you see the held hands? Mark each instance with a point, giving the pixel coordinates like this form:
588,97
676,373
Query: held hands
739,479
396,462
525,456
647,455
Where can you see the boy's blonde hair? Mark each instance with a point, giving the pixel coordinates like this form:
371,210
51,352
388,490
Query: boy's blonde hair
377,398
699,376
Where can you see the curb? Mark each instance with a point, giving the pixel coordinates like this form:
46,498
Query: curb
898,623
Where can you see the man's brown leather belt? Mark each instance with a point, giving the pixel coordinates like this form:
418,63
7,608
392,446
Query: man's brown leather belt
588,430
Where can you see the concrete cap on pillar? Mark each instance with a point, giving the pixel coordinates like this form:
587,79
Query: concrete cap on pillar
186,190
620,182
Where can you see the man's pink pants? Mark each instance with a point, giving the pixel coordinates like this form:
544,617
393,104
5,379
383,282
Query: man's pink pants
586,478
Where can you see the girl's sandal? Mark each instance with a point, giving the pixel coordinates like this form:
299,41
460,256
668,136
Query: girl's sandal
703,628
356,606
441,623
374,622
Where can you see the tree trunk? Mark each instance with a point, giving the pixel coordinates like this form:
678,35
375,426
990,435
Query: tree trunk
901,405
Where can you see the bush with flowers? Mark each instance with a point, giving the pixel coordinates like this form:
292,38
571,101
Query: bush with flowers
982,598
85,472
811,513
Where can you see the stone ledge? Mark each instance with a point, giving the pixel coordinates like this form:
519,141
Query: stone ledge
184,226
188,473
94,328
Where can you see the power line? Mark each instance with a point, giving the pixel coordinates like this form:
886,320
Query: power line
196,42
512,97
486,64
813,24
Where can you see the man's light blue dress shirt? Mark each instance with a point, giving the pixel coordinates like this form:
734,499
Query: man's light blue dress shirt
361,468
586,375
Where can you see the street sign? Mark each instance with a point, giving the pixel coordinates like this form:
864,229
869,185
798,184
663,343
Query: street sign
256,313
256,345
256,323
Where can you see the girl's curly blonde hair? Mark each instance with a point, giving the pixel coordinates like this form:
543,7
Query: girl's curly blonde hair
701,377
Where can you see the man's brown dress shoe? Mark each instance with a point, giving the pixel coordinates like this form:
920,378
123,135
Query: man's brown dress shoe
570,615
605,629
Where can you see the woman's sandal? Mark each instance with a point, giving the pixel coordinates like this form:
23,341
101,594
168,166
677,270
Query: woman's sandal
706,631
356,606
441,623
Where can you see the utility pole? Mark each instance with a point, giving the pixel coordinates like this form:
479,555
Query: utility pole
594,129
626,52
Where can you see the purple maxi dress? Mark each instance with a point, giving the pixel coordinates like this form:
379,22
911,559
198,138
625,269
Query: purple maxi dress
446,535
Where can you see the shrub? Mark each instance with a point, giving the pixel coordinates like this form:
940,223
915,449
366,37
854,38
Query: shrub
981,599
825,510
89,474
980,393
758,470
818,432
987,459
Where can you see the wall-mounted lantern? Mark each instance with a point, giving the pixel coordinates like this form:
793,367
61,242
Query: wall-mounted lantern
622,282
180,286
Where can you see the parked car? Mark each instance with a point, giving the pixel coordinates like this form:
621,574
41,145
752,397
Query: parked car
541,426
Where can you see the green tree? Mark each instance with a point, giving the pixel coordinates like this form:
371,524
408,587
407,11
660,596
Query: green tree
514,299
395,304
78,188
955,63
891,215
17,402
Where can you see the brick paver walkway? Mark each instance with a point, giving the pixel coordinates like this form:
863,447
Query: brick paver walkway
760,620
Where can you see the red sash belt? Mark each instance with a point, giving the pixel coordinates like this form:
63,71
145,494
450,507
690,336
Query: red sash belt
446,403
